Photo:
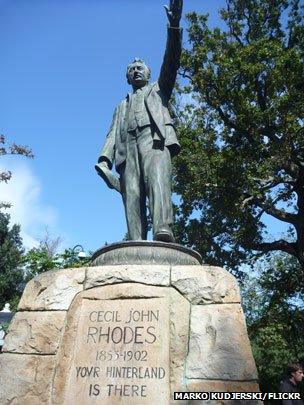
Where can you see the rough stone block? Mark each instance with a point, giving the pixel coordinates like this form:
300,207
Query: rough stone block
35,332
219,347
130,319
25,379
179,332
145,274
129,327
205,284
53,290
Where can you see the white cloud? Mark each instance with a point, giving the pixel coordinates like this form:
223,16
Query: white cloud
24,191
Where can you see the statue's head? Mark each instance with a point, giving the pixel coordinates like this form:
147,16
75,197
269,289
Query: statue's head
138,73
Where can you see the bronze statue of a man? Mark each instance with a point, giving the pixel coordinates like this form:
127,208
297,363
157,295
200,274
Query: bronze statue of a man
142,140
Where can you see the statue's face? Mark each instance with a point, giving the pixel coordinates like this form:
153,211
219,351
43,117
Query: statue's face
138,74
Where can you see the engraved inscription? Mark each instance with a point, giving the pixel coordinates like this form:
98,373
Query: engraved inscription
122,352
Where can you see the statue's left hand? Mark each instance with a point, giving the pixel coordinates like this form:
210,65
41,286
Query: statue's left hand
174,12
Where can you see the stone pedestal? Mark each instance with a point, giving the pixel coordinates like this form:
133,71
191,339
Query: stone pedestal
128,334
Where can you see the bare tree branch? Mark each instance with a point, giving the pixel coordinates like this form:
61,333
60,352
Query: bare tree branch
271,210
275,245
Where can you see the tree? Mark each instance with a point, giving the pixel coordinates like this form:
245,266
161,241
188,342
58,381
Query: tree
38,260
12,149
274,308
241,130
11,250
49,244
45,257
11,274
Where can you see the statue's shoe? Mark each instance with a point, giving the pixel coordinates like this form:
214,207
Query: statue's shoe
164,234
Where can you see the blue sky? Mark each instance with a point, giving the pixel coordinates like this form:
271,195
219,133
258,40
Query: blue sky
62,73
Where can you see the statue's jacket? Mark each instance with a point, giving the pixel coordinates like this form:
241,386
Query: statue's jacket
157,97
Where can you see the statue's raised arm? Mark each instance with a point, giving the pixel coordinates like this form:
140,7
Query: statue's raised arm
172,55
142,140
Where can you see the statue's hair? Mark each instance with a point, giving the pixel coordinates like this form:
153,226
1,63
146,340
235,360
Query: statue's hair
137,60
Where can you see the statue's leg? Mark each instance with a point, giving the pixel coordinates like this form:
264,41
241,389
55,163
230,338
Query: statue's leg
133,192
155,161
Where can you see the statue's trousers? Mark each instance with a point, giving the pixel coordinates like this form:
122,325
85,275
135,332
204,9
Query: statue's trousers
146,173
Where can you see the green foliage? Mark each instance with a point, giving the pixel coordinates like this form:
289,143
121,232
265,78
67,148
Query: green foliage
39,260
274,308
12,149
17,267
11,275
240,124
271,351
69,258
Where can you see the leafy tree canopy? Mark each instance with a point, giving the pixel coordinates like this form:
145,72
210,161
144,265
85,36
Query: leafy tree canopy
11,249
11,274
274,308
240,120
18,267
39,260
